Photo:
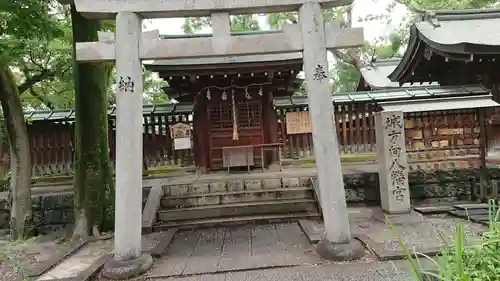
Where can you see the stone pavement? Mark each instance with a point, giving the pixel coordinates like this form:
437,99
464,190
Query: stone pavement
424,237
375,271
280,251
234,249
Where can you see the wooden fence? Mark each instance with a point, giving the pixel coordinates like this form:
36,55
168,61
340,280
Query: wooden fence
52,144
434,140
356,135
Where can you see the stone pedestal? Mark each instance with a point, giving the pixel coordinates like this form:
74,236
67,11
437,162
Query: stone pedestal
353,250
392,162
321,112
128,260
406,218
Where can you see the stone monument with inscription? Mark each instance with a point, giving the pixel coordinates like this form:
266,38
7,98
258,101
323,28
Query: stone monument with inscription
393,169
311,37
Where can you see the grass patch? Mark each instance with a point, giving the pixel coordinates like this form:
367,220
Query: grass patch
345,158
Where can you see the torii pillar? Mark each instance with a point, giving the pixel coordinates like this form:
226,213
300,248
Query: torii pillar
128,260
338,243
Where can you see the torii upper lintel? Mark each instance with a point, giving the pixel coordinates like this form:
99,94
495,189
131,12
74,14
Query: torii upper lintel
107,9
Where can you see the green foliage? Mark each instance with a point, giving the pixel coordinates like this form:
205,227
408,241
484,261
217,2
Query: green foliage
239,23
36,43
153,93
22,23
345,77
447,5
36,46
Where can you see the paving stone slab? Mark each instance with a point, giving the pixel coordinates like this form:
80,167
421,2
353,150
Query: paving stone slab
206,254
235,248
314,230
56,256
175,259
163,243
237,243
431,210
471,206
297,248
79,261
485,219
467,213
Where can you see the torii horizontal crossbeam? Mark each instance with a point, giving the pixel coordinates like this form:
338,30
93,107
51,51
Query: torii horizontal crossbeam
288,41
107,9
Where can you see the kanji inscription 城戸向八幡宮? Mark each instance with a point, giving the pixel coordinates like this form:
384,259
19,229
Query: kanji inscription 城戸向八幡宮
395,131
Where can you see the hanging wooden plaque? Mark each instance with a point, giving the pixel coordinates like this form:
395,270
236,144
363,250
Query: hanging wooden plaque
298,123
180,130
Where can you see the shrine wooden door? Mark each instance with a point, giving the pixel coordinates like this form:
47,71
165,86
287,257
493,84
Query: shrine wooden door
249,122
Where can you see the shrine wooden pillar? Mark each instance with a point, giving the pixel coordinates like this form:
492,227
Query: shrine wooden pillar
270,123
201,124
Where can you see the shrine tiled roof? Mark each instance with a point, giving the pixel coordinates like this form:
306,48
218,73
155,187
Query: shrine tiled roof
393,94
409,93
69,114
375,75
454,30
450,33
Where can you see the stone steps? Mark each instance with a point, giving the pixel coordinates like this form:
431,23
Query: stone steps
204,199
238,209
227,202
268,218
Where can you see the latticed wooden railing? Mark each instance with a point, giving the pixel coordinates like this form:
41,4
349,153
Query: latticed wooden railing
356,135
52,138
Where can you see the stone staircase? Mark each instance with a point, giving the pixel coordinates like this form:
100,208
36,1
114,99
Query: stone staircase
235,202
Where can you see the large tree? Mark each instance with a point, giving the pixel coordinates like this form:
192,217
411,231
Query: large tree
94,189
25,25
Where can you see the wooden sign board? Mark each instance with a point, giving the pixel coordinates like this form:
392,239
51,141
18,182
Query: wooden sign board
182,143
180,130
298,123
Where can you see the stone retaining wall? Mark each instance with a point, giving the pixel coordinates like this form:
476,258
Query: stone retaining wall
56,210
50,211
425,185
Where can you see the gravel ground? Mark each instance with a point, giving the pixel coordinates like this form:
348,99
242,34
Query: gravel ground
18,257
427,234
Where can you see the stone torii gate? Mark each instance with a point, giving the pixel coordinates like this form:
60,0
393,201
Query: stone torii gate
311,36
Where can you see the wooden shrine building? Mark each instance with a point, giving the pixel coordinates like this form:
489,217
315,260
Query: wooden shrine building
220,86
452,48
455,47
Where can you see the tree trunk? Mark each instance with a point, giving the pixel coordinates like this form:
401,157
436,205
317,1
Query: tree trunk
94,189
21,219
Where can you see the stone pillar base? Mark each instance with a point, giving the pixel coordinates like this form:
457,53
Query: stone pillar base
410,217
340,252
121,270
